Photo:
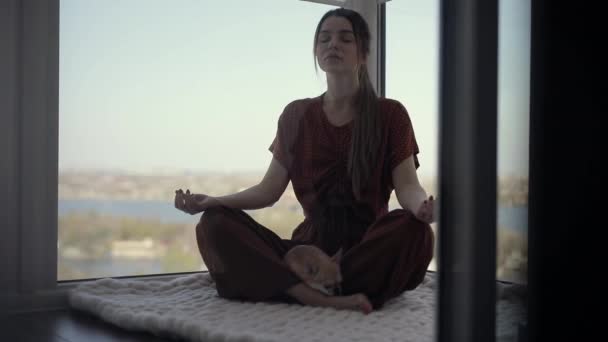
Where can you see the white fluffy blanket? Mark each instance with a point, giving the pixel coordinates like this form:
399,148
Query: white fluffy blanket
188,308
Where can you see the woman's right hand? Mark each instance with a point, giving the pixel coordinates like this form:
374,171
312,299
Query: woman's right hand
193,203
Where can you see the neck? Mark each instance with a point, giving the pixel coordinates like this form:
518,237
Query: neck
341,91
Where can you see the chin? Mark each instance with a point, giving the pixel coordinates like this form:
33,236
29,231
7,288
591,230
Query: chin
337,70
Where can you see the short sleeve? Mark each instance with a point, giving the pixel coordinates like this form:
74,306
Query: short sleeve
282,147
278,147
402,140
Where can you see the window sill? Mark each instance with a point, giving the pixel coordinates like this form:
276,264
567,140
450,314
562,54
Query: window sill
57,298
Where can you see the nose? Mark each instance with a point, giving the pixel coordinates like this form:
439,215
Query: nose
333,42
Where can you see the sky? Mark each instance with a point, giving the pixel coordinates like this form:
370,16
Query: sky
193,85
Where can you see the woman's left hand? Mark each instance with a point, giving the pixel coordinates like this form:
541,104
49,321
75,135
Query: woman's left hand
426,211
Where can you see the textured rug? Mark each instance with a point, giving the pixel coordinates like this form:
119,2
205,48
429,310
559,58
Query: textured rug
188,308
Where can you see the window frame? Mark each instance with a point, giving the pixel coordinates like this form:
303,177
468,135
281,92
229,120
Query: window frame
32,123
468,115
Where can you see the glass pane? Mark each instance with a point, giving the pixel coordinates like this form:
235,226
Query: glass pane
513,140
512,159
412,74
160,95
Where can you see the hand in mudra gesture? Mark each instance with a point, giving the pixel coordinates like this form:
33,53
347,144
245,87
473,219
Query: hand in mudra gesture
426,211
193,203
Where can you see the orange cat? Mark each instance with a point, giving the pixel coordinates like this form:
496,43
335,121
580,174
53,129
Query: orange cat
316,268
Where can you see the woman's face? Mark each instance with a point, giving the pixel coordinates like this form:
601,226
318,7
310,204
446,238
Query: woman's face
336,48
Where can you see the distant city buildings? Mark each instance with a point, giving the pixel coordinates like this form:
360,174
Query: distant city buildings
512,191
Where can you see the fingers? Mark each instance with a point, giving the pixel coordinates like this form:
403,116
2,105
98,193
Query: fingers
183,201
430,209
189,202
427,209
179,199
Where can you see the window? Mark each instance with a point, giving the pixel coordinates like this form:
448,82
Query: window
412,78
513,140
412,44
156,96
31,130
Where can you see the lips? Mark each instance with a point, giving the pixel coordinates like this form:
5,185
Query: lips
332,56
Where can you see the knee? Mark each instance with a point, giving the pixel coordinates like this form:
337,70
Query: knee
212,224
403,227
408,222
402,215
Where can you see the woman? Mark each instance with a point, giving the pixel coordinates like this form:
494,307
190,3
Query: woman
344,152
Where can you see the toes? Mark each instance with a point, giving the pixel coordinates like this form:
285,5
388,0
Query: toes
366,306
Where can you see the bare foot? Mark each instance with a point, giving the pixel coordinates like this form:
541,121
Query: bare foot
309,296
357,302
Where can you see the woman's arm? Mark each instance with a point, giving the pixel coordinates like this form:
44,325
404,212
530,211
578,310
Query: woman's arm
262,195
410,193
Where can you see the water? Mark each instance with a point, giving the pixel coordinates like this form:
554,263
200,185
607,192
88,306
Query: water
511,218
159,210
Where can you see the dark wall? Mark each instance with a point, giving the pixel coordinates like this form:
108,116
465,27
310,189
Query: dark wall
565,197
